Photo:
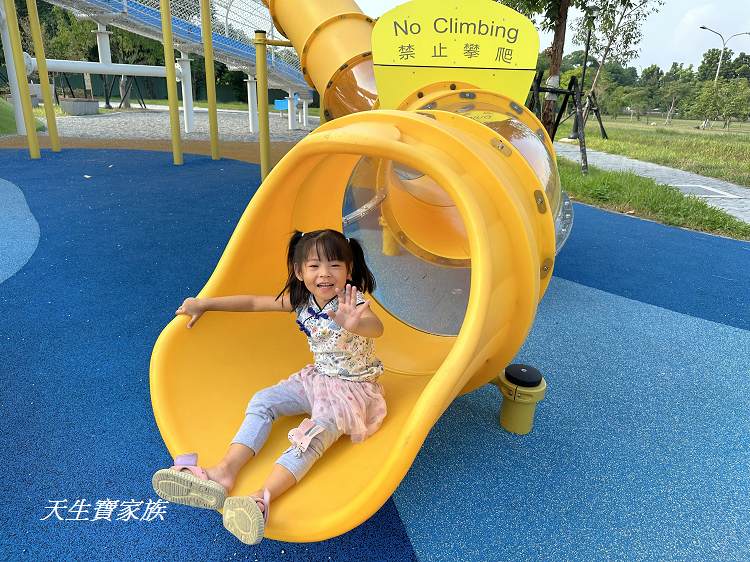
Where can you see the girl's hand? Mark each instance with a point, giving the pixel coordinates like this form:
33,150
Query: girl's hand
193,308
348,314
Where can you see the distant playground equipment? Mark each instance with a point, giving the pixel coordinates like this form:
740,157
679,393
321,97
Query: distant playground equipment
295,108
188,31
573,95
452,187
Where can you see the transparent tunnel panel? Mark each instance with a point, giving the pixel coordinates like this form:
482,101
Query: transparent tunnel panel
541,161
502,116
414,244
535,153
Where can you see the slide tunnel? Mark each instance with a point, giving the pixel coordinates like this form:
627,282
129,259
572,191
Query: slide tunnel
457,202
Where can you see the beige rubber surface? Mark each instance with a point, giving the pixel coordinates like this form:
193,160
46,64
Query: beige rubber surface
244,151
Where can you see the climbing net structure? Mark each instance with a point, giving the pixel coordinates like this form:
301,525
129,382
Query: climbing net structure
233,27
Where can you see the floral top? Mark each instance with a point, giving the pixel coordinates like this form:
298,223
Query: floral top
338,352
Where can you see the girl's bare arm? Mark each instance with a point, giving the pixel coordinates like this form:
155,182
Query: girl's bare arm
195,307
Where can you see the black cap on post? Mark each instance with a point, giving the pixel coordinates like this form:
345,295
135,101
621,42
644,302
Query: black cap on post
523,375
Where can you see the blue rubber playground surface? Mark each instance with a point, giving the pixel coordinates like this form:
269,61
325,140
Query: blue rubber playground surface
641,449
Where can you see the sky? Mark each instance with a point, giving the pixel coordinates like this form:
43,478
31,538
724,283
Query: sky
671,35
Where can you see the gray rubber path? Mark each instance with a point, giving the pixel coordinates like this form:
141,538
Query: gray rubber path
729,197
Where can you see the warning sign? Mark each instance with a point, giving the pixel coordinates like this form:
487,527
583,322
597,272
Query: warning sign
479,42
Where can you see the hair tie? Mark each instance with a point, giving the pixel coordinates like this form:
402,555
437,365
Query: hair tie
348,240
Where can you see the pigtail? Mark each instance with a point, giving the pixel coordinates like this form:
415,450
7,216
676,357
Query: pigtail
362,277
298,293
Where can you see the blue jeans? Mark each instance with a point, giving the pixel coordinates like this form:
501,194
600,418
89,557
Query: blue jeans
286,398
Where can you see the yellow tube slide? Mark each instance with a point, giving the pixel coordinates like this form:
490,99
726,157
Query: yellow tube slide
458,193
332,38
203,378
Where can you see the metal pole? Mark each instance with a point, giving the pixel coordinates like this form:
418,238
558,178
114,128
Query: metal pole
292,111
723,46
187,92
574,132
581,132
41,61
261,75
105,79
15,94
174,112
102,43
23,85
721,56
706,122
252,104
105,56
81,67
208,54
586,57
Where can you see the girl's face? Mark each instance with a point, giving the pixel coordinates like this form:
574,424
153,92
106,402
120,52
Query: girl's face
322,277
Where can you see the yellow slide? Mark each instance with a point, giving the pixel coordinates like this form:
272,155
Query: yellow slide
457,201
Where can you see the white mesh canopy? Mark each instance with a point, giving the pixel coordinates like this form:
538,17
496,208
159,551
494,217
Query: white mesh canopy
234,23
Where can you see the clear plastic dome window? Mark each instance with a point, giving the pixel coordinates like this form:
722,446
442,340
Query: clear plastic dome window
414,243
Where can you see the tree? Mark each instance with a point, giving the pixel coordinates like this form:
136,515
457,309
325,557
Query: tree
542,63
729,99
733,100
24,26
613,101
129,48
69,38
741,66
636,99
651,76
676,85
710,62
554,16
571,60
617,32
621,75
650,81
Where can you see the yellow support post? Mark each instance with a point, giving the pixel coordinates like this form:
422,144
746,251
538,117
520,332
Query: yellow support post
322,109
208,54
174,116
23,85
264,130
41,64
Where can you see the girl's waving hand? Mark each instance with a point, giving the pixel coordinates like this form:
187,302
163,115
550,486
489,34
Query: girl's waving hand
356,319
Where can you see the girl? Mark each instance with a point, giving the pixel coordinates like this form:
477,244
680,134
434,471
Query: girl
340,390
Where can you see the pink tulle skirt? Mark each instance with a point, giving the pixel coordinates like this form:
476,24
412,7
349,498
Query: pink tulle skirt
357,408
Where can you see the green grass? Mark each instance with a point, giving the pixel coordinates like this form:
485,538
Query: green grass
716,153
8,119
39,112
631,194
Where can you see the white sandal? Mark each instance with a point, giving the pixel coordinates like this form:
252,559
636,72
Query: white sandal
188,484
244,519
